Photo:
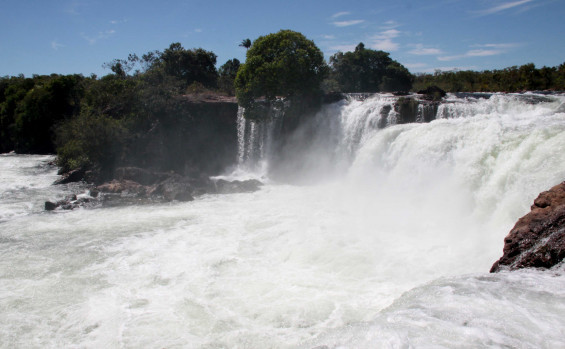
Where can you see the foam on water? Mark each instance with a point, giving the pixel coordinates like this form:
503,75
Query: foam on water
393,253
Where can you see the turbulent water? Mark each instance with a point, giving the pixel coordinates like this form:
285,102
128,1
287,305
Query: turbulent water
384,240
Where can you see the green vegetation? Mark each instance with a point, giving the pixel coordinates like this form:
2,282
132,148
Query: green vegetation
227,74
365,70
283,64
30,108
245,43
100,123
514,79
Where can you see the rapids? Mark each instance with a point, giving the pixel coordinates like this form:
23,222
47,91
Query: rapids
362,237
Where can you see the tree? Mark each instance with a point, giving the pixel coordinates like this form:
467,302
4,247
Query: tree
245,43
195,65
366,70
227,74
284,64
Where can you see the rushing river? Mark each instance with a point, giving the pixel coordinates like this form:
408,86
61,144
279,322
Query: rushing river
384,242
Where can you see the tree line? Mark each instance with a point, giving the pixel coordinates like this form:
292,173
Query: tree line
98,122
513,79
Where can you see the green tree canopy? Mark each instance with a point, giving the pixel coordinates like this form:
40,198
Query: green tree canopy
195,65
227,74
283,64
366,70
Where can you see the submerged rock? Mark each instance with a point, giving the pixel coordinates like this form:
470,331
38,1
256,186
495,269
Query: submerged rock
174,188
538,239
167,187
50,206
227,187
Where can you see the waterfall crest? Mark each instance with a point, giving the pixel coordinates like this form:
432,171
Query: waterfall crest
344,134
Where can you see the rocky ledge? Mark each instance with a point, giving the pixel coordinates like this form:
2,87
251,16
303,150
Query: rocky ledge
538,239
134,185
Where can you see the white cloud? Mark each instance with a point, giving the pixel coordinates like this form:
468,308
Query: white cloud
502,7
420,50
340,14
101,35
445,69
390,25
471,53
343,48
498,46
198,30
56,45
348,23
328,37
483,50
116,21
384,45
482,53
383,40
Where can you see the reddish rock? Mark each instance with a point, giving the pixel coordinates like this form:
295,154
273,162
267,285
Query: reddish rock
121,186
538,239
140,175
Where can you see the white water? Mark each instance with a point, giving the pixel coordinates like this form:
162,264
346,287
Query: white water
391,249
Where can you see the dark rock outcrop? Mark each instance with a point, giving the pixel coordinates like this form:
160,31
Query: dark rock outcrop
174,188
155,187
50,206
226,187
432,93
124,186
140,175
71,176
69,203
538,239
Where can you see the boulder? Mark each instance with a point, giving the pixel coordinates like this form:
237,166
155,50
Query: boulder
71,177
122,186
230,187
50,206
140,175
174,188
432,93
538,239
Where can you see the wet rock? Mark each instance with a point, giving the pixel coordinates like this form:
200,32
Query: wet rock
122,186
50,206
69,206
174,188
538,239
226,187
432,93
333,97
71,177
140,175
94,192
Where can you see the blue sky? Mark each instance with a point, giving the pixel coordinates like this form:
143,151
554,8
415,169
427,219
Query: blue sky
78,36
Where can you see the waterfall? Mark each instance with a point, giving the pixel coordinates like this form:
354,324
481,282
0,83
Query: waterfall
339,130
256,138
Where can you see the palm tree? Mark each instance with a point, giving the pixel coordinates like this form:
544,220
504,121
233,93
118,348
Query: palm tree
245,43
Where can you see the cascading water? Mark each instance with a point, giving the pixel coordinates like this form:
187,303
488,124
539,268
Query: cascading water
255,139
388,246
